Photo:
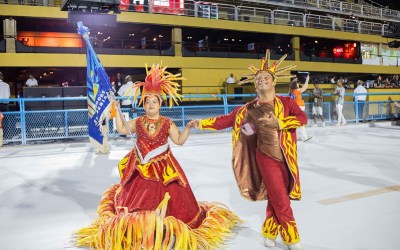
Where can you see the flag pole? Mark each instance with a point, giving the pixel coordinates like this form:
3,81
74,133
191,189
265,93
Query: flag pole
112,98
84,32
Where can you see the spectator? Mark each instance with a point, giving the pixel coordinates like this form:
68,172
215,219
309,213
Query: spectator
295,93
333,80
31,81
146,6
118,82
127,89
206,44
4,94
395,81
200,45
386,83
318,95
231,79
346,83
359,100
339,93
379,82
143,42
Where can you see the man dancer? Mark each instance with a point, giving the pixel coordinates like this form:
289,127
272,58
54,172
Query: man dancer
265,151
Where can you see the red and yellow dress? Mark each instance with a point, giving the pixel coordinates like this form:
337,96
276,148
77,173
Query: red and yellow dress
154,207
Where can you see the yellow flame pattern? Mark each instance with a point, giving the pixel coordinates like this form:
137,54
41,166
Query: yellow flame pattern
122,164
238,124
144,169
169,173
207,124
270,228
289,233
288,145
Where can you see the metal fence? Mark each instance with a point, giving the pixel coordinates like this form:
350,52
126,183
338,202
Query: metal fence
25,126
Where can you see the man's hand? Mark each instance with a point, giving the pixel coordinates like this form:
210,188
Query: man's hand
269,120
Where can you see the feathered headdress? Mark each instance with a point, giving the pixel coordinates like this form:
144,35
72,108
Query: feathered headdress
272,69
161,83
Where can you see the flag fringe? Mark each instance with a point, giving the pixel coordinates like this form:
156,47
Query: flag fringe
149,230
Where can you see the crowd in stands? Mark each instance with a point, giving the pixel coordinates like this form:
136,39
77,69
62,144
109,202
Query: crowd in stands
380,81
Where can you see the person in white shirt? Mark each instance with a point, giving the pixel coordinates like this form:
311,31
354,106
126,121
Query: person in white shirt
4,94
128,88
31,81
340,92
231,79
359,99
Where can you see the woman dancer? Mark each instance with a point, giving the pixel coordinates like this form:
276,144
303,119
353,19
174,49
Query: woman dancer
153,207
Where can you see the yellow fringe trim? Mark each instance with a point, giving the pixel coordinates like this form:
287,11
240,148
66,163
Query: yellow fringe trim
150,230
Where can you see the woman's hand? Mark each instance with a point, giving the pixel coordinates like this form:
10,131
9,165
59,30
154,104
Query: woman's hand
116,103
192,124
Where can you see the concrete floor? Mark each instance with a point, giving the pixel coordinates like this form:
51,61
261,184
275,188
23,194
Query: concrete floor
350,179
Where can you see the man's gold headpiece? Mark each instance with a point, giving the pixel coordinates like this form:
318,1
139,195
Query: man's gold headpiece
267,67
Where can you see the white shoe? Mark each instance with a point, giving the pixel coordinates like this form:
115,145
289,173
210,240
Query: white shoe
315,125
323,124
269,242
297,246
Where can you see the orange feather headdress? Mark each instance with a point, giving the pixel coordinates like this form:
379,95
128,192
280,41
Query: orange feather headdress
272,69
161,83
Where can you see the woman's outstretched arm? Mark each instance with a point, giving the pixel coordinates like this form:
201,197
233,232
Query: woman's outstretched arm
179,137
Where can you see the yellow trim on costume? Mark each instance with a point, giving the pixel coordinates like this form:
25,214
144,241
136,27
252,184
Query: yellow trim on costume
270,228
169,173
289,145
238,124
144,169
206,124
122,164
284,123
291,234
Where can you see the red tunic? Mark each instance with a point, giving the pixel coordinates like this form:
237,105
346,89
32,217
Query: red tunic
144,184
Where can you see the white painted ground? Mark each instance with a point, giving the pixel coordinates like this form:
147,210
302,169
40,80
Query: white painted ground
49,190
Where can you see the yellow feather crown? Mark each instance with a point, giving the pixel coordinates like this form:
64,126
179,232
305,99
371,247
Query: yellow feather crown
161,83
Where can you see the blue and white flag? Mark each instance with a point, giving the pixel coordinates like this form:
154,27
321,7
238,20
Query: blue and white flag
98,92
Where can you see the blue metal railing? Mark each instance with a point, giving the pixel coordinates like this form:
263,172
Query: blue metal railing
32,123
